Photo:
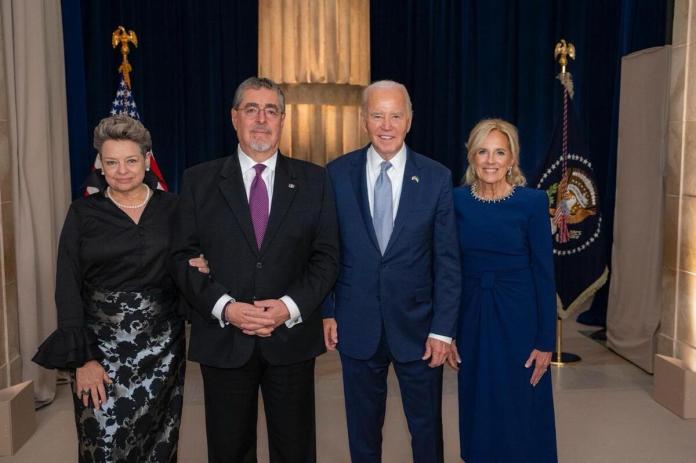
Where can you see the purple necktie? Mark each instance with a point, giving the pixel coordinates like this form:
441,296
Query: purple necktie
258,204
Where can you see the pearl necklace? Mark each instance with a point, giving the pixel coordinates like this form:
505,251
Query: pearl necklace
129,206
475,193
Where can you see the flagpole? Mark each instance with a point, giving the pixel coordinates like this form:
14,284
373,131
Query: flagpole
563,51
123,38
124,103
560,358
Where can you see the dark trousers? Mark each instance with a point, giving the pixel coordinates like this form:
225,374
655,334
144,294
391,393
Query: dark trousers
231,404
365,389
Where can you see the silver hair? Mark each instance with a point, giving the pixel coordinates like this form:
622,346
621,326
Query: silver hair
122,127
257,83
386,84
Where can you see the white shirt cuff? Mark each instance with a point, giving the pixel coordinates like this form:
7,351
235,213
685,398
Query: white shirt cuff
295,316
220,306
446,339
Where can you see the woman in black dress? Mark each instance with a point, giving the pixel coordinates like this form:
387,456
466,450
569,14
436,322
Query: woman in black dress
118,328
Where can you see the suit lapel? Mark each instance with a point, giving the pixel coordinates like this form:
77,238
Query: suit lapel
409,192
232,188
359,180
284,187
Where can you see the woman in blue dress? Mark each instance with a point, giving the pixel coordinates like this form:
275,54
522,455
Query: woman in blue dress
508,310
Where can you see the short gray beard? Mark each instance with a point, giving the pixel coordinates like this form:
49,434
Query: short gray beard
260,146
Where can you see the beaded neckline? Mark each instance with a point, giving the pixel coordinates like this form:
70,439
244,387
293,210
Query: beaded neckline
478,197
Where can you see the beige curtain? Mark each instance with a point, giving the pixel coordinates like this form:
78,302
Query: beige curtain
319,50
321,129
633,313
33,41
315,41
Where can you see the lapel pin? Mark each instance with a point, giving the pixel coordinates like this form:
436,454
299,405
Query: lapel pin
415,179
291,186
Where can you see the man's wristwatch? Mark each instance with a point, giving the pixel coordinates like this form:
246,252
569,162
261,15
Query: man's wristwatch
224,309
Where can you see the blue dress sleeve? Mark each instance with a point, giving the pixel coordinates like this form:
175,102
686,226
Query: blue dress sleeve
541,260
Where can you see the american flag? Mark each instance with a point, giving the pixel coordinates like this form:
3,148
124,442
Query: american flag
124,104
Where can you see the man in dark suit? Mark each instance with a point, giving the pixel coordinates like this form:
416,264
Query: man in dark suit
267,225
397,295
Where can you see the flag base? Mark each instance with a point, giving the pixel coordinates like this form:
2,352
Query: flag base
564,358
560,358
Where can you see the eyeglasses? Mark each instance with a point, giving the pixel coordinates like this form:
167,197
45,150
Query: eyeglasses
251,111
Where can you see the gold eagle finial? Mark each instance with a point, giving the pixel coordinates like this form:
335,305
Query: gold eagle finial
565,50
120,36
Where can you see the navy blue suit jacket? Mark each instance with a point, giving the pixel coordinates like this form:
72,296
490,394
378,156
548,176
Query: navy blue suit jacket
415,288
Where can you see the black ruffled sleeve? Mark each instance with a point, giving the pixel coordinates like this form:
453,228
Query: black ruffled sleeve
68,348
72,344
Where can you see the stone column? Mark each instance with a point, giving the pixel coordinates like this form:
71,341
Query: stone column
675,367
10,360
319,51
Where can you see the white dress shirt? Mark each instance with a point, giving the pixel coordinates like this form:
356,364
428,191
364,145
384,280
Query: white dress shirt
246,165
396,175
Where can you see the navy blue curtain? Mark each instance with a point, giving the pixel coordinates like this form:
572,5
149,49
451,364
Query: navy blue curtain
463,61
190,59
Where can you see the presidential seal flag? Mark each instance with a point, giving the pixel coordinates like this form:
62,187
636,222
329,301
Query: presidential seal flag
576,220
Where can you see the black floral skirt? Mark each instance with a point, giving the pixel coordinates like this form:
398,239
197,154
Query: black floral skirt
143,342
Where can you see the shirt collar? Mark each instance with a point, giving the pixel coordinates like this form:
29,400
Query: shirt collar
398,161
246,163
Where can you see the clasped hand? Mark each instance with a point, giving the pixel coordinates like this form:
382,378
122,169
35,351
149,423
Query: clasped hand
259,319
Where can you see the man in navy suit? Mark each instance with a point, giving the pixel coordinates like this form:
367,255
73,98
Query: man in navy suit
397,295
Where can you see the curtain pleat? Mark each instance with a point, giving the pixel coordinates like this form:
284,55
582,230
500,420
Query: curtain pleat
33,46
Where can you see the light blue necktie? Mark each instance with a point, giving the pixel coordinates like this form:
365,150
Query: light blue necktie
383,214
